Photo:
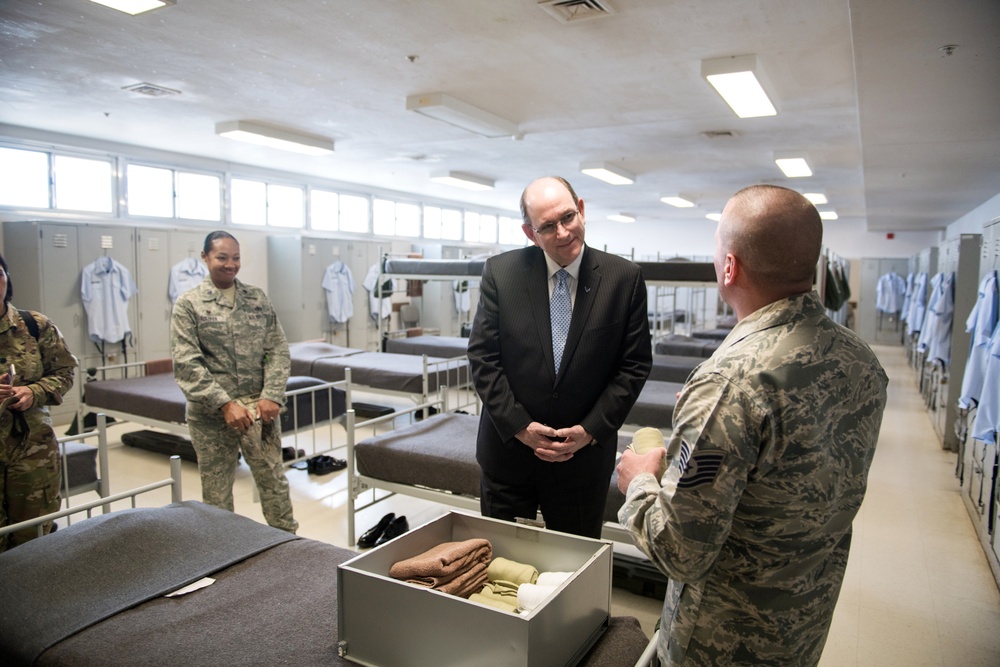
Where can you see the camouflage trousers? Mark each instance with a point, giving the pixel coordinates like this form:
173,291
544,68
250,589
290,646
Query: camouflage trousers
218,447
29,482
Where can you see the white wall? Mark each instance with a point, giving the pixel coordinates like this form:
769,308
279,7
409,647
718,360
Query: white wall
974,221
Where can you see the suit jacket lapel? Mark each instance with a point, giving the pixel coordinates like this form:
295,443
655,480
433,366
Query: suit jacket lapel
586,291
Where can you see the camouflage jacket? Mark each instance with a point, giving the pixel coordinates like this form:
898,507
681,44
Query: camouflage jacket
766,468
45,365
222,353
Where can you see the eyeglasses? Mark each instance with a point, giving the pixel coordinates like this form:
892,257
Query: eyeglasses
549,228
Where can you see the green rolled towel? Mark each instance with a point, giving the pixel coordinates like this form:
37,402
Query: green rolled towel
502,569
504,589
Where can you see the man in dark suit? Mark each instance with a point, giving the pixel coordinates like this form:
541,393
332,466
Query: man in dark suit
548,432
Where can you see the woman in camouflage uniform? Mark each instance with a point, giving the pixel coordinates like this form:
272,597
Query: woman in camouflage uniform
231,361
36,370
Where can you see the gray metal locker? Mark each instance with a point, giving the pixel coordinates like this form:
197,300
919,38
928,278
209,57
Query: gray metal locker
870,326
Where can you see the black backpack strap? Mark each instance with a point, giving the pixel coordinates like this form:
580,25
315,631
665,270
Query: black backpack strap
30,322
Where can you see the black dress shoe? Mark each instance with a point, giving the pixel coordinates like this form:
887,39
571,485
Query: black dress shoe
396,527
367,541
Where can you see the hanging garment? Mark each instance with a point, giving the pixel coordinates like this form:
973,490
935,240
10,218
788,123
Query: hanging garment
987,423
462,299
379,300
935,337
981,323
907,297
833,297
339,285
106,287
918,304
889,293
184,275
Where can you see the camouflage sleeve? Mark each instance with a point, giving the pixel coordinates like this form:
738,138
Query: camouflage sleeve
58,365
190,370
277,360
682,522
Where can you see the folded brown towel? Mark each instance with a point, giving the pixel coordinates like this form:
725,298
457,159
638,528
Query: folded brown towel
445,561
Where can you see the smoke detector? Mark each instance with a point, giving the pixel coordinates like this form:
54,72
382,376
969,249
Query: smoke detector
570,11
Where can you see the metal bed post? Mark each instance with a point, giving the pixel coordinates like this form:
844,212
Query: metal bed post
176,492
104,489
352,480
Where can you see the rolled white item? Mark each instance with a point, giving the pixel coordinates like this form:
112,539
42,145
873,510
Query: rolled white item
554,579
530,596
646,440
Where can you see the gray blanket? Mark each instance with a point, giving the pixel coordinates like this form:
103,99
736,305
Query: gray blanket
58,585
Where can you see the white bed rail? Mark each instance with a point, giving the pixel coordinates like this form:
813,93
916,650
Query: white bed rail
174,481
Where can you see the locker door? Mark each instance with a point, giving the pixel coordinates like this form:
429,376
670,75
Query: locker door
153,264
60,301
317,254
117,243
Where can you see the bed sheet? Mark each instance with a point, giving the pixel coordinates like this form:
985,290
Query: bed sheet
435,267
655,405
685,346
305,353
673,367
445,347
385,370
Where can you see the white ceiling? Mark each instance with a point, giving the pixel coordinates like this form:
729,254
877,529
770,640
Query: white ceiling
900,136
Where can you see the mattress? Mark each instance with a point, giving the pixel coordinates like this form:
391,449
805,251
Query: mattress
686,346
304,354
655,405
680,272
435,267
440,453
445,347
711,334
159,398
384,370
672,367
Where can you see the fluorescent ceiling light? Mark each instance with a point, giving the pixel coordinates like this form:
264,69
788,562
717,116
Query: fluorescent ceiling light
134,7
461,179
461,114
828,215
794,167
679,202
714,216
260,134
622,217
738,80
608,173
817,198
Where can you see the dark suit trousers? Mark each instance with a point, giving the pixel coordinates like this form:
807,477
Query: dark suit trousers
567,508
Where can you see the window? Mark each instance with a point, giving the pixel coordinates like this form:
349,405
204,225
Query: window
325,210
353,213
451,224
82,184
150,191
472,227
487,228
198,196
285,206
407,220
509,232
24,178
432,222
248,200
383,217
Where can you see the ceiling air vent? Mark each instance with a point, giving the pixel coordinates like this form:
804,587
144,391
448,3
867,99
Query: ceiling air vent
718,134
151,89
568,11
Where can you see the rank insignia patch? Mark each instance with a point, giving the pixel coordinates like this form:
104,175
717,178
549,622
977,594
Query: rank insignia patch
700,467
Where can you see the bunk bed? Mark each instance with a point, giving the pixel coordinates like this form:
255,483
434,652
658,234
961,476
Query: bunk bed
432,346
154,399
70,598
410,268
433,459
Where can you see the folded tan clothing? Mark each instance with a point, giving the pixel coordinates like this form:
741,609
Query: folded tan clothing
463,585
494,602
501,588
503,569
444,561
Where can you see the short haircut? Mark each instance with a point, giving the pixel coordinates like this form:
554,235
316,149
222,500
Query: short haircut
215,236
776,233
524,206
